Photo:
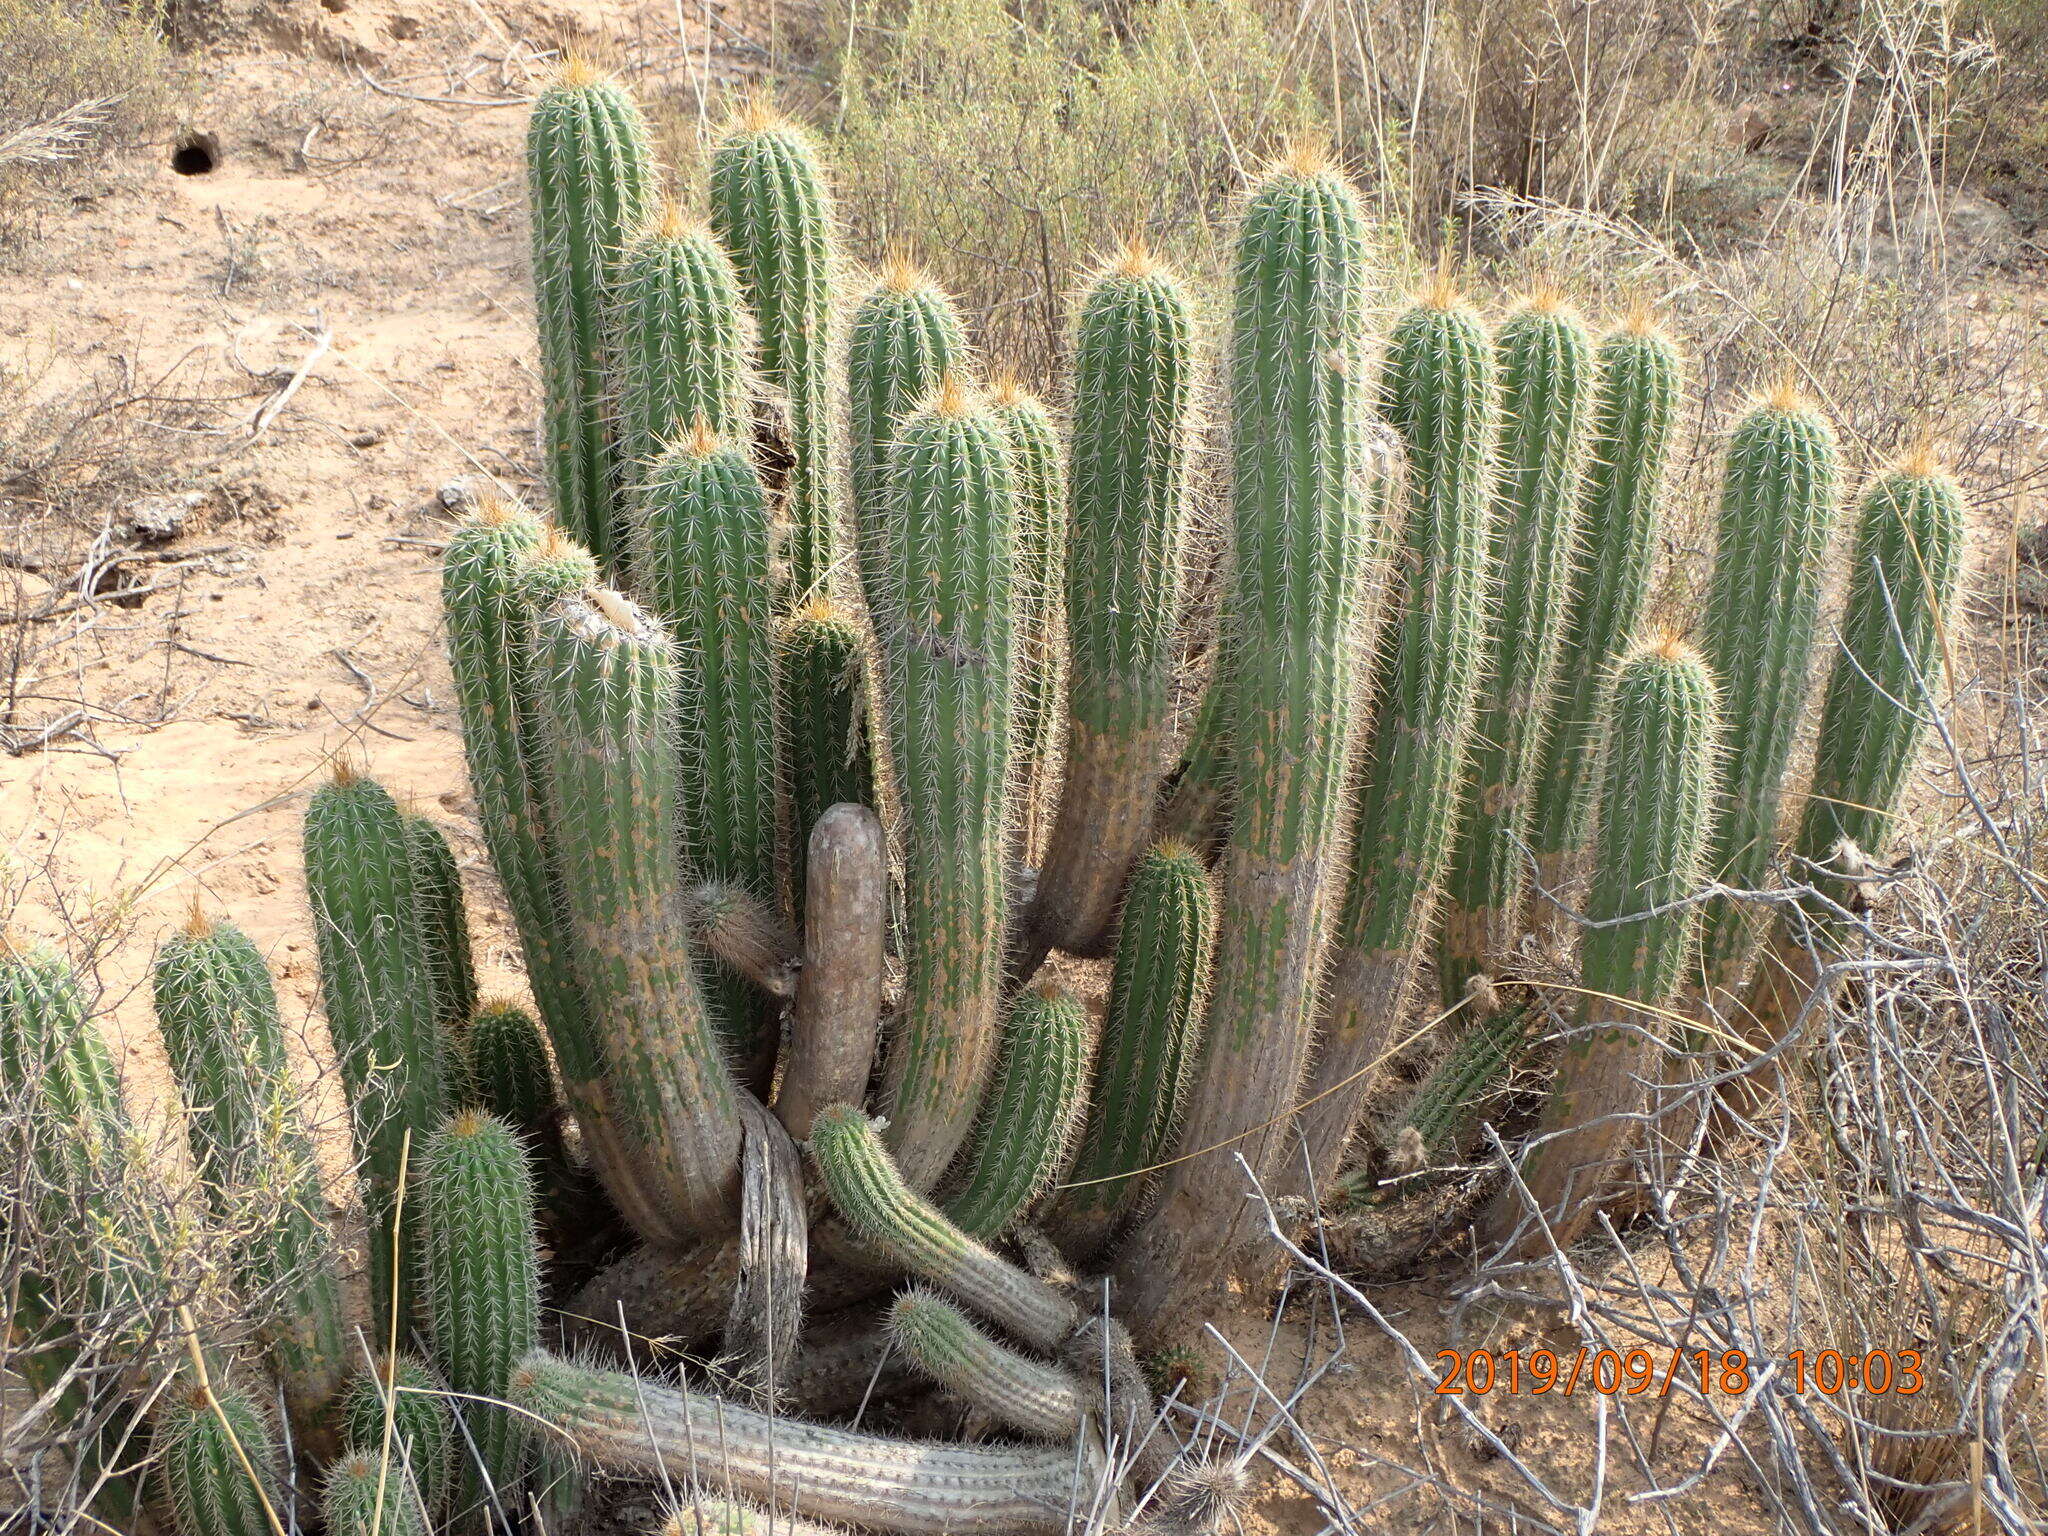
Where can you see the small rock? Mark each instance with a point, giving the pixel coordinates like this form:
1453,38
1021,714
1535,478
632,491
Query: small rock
159,519
367,439
458,497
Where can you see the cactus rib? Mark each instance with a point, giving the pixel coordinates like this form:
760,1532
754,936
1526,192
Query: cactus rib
1026,1395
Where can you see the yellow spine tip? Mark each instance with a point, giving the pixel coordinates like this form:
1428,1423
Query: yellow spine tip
346,772
672,223
1441,292
952,398
467,1122
1007,391
1306,155
1921,461
900,272
1641,321
1048,991
494,511
1134,258
197,924
1670,645
818,610
702,441
1545,298
578,72
758,115
1173,848
1787,394
554,544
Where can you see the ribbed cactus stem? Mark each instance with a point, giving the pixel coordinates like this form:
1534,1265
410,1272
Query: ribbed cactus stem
1779,499
904,339
821,663
1881,697
1134,383
1306,472
508,1072
1041,475
701,555
1448,1102
746,936
1020,1393
606,678
1545,360
1166,940
773,214
838,1009
1656,795
368,1496
683,341
868,1191
1032,1113
1635,403
217,1013
945,623
480,1279
378,991
918,1487
443,919
708,1515
209,1444
422,1439
591,181
1436,392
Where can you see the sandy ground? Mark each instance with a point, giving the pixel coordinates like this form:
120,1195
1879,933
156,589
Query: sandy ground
363,234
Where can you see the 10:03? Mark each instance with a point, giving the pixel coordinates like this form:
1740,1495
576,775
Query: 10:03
1880,1371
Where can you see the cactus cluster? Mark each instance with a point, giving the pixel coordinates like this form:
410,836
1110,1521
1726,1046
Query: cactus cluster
791,796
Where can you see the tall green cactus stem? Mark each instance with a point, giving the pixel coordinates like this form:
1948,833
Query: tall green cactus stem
366,1496
1656,796
217,1013
1446,1104
1197,808
480,1278
1634,406
945,625
591,181
838,1008
867,1190
209,1443
821,662
1041,475
1880,699
378,991
773,214
1031,1115
1128,501
683,341
509,1075
1166,940
1306,470
918,1487
443,920
1437,392
1545,359
607,677
701,555
406,1392
1021,1393
1779,499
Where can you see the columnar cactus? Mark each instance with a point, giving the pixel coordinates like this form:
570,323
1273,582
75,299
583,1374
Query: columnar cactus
1778,506
217,1013
1023,1394
1656,796
837,1012
219,1463
1445,1104
821,663
1437,393
1041,475
1634,406
1033,1110
1134,387
366,1496
905,337
683,342
945,624
1545,361
591,181
1306,471
668,1130
479,1279
378,992
405,1397
1166,939
701,552
508,1074
443,919
773,215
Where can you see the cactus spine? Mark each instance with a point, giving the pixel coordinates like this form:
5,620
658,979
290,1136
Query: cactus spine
607,680
443,920
1041,476
1437,393
701,553
773,215
1032,1111
1634,406
209,1444
423,1442
1656,797
1127,495
1166,939
946,627
480,1277
378,992
1778,506
1546,374
591,179
364,1496
681,333
1446,1102
1023,1394
822,665
217,1013
1305,472
507,1070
